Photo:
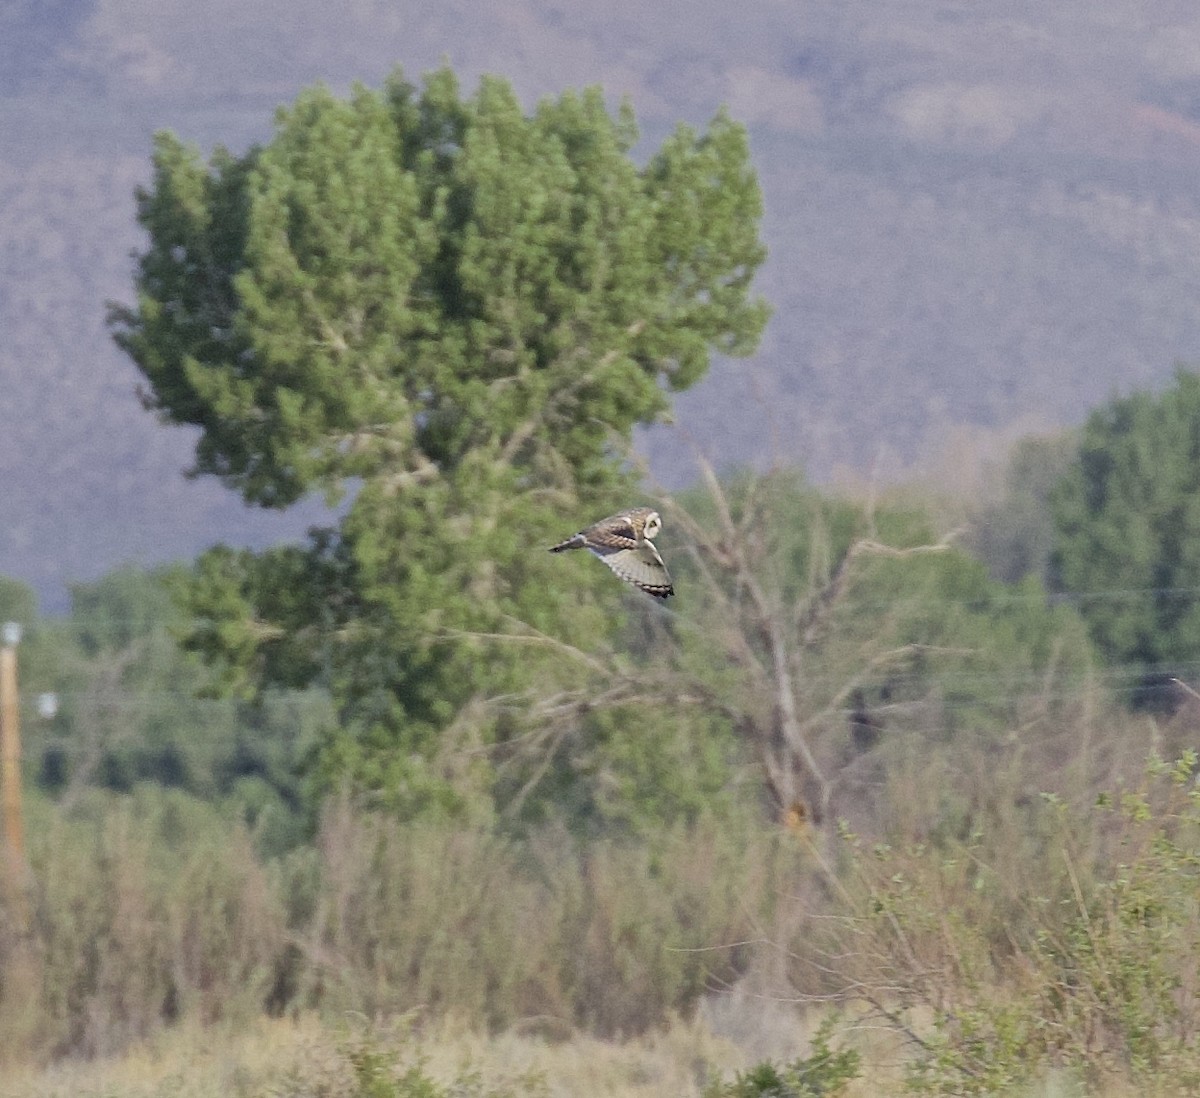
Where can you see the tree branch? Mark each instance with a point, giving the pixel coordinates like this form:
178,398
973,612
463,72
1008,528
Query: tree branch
770,626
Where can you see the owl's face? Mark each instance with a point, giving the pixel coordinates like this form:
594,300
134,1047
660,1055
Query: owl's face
652,526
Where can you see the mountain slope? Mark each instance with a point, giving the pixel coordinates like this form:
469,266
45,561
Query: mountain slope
976,214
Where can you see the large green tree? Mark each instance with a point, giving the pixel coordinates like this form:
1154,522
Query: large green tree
455,312
1127,516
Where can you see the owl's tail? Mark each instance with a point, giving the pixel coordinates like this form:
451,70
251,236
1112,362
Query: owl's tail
576,541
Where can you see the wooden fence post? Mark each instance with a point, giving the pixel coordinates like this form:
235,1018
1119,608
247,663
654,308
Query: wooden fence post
10,752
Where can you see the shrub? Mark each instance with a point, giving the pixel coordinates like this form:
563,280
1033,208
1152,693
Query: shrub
822,1073
143,910
1087,960
612,938
152,909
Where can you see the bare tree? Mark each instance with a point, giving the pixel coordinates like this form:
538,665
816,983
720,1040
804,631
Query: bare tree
773,639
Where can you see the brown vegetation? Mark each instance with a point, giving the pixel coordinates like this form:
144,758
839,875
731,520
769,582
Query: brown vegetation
151,910
990,913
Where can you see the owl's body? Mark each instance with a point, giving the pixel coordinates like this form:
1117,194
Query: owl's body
624,542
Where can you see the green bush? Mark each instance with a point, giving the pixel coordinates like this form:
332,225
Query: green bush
822,1073
1125,515
380,1073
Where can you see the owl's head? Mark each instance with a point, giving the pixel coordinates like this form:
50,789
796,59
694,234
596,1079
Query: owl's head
652,526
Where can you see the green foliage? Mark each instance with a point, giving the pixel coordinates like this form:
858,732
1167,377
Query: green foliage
17,602
380,1071
38,651
457,312
1127,514
133,709
822,1072
988,651
127,713
628,770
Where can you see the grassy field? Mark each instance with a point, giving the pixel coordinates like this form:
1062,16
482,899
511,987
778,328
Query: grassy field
1043,943
309,1056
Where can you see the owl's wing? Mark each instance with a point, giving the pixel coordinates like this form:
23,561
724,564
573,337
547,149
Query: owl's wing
642,567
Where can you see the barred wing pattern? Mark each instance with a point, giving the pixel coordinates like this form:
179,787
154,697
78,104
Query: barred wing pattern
642,567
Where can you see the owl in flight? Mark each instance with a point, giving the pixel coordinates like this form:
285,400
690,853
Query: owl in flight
625,543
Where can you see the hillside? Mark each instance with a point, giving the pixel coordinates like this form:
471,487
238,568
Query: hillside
978,217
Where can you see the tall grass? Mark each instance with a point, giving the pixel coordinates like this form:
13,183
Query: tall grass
150,910
140,911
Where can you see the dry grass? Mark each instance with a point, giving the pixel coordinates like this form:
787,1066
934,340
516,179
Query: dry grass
153,913
308,1056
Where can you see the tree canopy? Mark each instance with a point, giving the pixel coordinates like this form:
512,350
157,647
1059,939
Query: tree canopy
1127,518
456,312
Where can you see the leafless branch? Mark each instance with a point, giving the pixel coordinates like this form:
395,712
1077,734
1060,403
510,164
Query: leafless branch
815,611
532,636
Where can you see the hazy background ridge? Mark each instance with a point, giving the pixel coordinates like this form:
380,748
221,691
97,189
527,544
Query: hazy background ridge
980,219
